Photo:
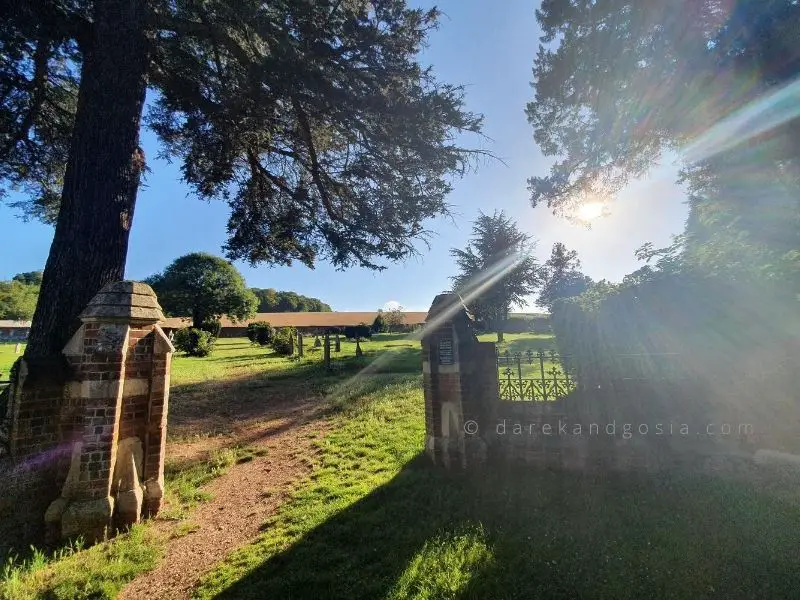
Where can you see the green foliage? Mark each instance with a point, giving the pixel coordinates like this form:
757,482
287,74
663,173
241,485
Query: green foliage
260,333
283,340
358,332
38,117
194,342
18,300
341,121
270,300
561,276
394,319
607,104
29,278
379,324
212,326
700,321
496,239
205,287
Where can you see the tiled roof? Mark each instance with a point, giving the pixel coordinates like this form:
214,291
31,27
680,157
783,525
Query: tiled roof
16,324
305,319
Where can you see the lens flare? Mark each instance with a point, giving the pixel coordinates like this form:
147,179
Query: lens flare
474,288
754,119
589,211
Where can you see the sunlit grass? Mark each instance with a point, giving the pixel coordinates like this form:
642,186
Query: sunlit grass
77,574
373,522
7,358
235,358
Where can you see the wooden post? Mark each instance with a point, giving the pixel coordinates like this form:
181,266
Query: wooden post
338,344
327,350
299,344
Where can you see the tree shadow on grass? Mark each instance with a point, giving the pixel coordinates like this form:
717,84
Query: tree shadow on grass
544,535
297,392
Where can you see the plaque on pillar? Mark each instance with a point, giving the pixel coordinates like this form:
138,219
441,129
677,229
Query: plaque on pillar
446,351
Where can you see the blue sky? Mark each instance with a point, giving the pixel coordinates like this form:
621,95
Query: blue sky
491,52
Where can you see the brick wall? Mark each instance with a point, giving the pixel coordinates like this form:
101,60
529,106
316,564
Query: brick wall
68,422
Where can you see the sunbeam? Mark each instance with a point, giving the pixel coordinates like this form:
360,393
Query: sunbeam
473,290
756,118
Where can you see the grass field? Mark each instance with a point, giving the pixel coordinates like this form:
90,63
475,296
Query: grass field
7,358
374,521
234,358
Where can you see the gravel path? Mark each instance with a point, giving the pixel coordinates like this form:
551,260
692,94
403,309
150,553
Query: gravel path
243,498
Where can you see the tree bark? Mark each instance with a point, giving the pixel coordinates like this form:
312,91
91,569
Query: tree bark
102,175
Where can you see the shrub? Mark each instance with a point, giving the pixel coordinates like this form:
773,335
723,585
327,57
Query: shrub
212,326
360,332
283,341
260,333
379,324
194,342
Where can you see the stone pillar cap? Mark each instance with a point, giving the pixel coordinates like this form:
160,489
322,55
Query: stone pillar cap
124,301
447,308
450,302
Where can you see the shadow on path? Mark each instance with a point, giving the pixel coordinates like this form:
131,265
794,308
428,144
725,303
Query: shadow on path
545,535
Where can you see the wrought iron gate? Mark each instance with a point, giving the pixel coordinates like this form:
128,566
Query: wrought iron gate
534,376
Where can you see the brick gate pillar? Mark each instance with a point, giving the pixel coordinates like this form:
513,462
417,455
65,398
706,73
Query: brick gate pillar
116,401
457,380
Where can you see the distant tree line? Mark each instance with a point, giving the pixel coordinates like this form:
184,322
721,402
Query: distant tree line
271,300
18,297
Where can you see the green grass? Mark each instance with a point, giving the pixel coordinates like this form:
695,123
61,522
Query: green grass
75,573
102,570
521,343
235,358
375,521
7,358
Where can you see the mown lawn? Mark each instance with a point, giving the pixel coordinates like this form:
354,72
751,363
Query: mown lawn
527,345
235,358
376,521
102,570
7,358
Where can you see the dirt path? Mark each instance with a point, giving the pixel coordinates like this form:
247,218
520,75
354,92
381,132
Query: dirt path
243,498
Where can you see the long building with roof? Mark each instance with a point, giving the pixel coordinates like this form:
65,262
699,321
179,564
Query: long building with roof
308,321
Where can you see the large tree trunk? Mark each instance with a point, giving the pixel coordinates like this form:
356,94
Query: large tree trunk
102,175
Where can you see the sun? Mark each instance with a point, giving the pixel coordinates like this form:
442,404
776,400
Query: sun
589,211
